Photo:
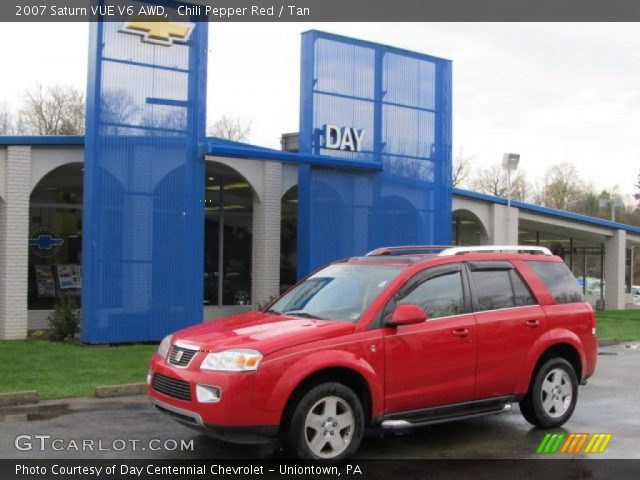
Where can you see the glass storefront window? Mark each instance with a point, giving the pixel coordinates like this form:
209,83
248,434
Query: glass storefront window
228,234
466,229
288,236
55,237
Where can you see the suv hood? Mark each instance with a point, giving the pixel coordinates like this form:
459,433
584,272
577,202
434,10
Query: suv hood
261,331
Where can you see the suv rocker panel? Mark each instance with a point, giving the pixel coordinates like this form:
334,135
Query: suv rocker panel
448,413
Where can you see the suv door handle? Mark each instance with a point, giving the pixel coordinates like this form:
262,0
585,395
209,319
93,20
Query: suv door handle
460,332
532,323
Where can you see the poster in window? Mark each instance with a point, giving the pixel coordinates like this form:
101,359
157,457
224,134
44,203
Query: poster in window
45,281
69,277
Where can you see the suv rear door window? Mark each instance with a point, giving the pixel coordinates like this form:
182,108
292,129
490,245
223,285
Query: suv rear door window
521,293
559,280
493,289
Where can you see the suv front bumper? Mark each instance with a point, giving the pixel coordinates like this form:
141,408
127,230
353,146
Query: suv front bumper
233,418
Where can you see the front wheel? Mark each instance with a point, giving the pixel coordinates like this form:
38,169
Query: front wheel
326,424
552,397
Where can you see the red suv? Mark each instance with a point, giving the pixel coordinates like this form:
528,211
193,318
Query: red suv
399,338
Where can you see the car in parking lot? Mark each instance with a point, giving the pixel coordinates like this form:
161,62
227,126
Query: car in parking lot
399,338
635,293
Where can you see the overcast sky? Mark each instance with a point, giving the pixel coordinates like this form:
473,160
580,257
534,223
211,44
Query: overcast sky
551,92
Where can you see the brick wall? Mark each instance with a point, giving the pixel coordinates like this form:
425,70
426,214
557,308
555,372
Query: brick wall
14,231
614,257
266,234
503,227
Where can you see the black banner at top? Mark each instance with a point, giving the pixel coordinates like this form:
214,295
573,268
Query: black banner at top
328,10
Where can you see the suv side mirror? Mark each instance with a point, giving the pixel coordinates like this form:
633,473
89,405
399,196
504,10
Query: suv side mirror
407,314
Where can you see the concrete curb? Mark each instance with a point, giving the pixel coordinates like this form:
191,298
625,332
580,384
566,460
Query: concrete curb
18,398
607,342
124,390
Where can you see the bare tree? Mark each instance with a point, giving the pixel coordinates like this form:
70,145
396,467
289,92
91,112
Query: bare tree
520,187
230,128
491,180
461,169
6,120
563,187
54,110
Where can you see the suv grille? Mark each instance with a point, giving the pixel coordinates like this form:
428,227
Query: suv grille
181,356
172,387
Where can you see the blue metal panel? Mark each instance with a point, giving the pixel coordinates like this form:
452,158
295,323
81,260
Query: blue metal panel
144,182
403,102
268,154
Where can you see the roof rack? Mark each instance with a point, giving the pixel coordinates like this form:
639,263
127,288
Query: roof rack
448,250
496,249
407,250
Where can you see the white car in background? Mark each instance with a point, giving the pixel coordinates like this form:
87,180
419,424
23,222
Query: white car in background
635,292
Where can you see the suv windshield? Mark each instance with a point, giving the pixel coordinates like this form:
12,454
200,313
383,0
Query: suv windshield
337,292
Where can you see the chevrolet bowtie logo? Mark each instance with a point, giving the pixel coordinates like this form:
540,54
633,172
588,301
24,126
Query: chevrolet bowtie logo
160,33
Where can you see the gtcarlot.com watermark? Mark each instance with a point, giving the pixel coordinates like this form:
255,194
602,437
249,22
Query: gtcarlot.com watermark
47,443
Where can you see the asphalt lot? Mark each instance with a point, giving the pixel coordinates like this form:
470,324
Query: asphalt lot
609,403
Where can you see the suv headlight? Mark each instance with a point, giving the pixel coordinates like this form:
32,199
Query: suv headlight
232,361
165,345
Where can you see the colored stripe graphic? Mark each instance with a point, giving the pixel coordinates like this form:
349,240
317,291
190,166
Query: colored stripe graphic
550,443
598,443
574,442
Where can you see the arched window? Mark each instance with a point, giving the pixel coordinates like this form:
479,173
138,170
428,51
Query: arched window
228,236
467,229
55,237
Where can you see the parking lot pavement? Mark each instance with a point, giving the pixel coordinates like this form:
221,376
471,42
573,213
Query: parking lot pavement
609,403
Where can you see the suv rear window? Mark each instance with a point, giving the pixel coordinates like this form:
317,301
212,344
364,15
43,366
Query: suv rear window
559,280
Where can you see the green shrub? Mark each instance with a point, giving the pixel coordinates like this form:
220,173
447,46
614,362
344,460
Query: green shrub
64,320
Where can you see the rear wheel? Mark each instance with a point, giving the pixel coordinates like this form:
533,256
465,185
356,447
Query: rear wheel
327,423
552,397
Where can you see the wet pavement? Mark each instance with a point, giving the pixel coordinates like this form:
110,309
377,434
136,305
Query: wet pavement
130,428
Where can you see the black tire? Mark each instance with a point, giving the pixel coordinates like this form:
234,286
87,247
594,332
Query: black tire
535,405
297,437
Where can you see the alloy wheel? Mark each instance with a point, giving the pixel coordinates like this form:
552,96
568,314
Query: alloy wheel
557,392
329,426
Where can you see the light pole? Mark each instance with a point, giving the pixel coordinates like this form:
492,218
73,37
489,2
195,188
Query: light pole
510,163
614,203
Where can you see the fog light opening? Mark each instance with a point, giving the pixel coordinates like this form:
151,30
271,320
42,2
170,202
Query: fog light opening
207,393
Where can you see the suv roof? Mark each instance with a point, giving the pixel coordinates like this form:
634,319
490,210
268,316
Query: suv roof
411,254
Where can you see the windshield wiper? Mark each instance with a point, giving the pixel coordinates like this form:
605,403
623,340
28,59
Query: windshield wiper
298,313
272,312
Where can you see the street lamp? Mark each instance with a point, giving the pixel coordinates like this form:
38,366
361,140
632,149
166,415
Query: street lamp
510,164
614,203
